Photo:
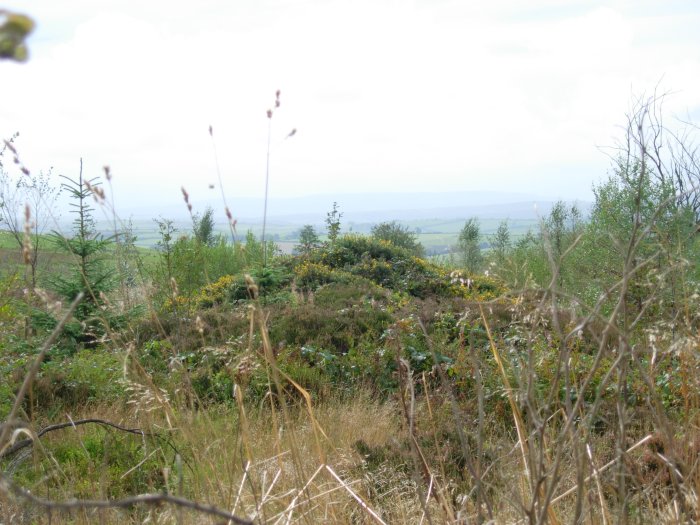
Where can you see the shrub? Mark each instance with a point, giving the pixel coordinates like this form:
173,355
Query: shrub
217,292
85,377
336,330
310,276
398,235
85,452
377,260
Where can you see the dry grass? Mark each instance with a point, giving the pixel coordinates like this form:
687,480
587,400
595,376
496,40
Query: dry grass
272,477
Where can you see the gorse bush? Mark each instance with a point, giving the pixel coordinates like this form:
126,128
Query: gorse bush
225,288
387,265
310,276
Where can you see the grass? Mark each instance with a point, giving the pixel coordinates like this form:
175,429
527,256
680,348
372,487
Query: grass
253,474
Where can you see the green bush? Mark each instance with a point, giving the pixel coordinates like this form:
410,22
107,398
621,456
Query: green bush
350,250
212,384
154,356
88,376
96,453
335,330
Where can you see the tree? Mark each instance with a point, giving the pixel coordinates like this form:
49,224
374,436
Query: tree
204,227
129,262
560,230
561,227
333,224
642,241
308,241
89,272
528,265
165,247
637,227
500,243
26,207
468,245
667,156
398,235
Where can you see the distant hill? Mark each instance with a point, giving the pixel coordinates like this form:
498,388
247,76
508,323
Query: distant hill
370,207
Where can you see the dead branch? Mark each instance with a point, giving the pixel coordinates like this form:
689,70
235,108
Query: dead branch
6,485
27,442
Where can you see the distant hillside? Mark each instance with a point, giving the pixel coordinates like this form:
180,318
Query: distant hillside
369,207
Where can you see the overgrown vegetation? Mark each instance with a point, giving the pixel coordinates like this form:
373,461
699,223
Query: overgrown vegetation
546,380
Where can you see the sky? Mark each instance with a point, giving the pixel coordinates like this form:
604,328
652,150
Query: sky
385,95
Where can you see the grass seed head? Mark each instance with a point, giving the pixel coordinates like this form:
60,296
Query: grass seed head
187,198
9,146
252,287
27,239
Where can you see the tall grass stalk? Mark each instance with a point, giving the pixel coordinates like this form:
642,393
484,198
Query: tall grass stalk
227,210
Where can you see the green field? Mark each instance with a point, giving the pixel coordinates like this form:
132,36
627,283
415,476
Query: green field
436,235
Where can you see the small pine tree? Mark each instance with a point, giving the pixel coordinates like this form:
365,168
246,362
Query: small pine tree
89,273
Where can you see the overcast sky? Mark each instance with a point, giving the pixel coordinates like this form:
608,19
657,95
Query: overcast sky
424,95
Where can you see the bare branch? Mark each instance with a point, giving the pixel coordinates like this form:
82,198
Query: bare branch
27,442
7,485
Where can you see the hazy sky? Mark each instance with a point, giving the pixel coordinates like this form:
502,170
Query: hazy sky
425,95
